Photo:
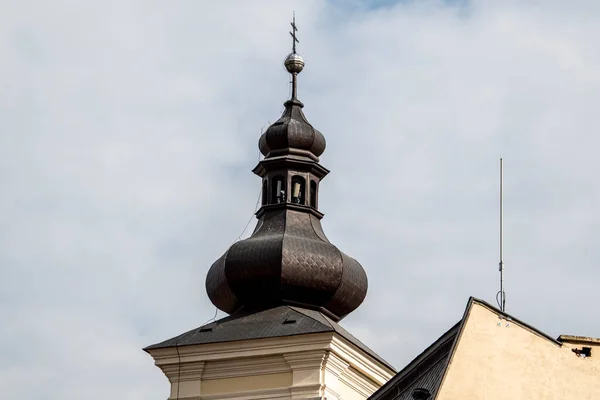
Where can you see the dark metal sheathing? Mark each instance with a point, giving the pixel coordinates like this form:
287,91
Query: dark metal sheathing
253,266
275,322
311,268
285,261
316,225
218,281
353,287
292,131
288,259
430,380
425,371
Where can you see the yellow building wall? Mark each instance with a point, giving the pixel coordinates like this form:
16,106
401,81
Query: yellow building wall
493,361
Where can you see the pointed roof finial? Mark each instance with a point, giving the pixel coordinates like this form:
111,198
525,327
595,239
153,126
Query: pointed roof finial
293,62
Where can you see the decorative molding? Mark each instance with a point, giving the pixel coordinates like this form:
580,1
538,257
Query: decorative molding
306,369
309,391
333,368
335,365
331,394
322,365
357,382
184,372
305,360
266,394
360,361
247,348
245,367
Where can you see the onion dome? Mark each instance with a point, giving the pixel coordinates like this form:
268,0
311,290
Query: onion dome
288,260
292,134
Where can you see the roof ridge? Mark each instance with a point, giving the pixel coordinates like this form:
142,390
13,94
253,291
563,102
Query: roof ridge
513,319
338,329
305,312
463,322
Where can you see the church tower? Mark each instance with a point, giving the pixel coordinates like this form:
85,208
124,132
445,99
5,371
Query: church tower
285,289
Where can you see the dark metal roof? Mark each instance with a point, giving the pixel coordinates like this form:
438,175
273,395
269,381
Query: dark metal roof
292,134
275,322
288,260
430,380
428,368
425,371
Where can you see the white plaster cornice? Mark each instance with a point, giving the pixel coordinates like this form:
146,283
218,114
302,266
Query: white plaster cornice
323,364
184,371
358,383
361,361
305,359
334,364
248,348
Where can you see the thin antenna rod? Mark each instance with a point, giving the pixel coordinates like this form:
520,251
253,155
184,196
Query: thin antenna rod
501,297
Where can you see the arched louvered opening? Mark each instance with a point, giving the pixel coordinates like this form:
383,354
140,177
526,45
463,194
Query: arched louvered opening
278,189
298,189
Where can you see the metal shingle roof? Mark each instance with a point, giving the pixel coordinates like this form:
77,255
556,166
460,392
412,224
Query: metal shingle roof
275,322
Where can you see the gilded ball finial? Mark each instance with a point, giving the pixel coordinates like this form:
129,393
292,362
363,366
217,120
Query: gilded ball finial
294,63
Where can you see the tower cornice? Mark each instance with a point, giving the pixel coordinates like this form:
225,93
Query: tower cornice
288,206
283,162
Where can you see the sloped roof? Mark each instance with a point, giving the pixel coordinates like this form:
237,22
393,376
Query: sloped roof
498,356
275,322
428,369
425,371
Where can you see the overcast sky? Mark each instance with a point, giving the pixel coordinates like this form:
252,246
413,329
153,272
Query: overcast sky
128,130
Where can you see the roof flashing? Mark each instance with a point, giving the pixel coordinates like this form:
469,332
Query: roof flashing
579,340
513,320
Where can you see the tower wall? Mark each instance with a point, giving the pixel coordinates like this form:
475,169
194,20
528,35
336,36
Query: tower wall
294,367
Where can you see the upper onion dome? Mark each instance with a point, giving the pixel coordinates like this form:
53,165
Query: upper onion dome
292,133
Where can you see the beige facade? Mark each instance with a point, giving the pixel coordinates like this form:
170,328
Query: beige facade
496,357
292,367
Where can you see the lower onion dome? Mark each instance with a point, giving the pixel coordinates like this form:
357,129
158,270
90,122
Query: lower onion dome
287,260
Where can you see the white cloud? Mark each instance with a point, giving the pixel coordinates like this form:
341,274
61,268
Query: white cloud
129,131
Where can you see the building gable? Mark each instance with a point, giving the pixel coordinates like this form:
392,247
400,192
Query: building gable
499,357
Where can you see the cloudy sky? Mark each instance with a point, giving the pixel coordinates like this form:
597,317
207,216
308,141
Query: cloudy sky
128,130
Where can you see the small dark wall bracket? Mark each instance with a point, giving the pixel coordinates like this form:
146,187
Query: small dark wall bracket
583,352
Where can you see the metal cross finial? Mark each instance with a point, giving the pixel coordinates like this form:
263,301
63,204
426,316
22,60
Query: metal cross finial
293,33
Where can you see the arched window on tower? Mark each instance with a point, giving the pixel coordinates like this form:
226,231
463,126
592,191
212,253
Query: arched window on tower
264,192
313,194
278,189
298,189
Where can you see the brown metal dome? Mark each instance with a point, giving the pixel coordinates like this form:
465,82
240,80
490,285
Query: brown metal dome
288,259
292,134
